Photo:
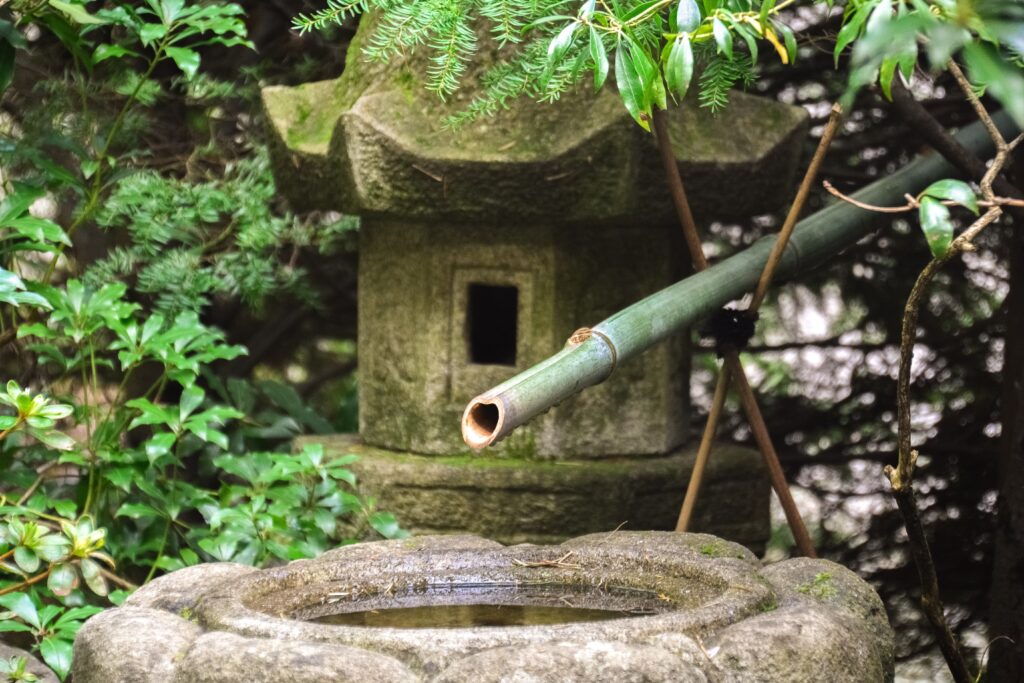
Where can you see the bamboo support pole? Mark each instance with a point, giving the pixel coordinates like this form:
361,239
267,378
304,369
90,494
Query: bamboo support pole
761,291
591,358
732,356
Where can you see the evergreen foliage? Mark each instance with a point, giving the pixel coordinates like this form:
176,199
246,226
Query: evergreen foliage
655,43
191,241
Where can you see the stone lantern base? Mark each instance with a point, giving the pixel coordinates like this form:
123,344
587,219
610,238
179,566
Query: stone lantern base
532,501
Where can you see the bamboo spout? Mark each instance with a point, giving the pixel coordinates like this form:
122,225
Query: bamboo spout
492,415
482,422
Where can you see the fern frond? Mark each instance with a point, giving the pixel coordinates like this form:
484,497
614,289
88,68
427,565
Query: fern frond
335,13
404,26
509,19
454,43
720,76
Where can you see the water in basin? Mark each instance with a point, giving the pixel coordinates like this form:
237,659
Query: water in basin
475,605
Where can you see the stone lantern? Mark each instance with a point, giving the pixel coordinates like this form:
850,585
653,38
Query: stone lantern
481,251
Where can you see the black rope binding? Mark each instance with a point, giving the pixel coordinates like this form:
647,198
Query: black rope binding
730,328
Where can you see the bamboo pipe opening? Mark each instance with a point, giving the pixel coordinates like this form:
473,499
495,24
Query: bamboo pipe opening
482,422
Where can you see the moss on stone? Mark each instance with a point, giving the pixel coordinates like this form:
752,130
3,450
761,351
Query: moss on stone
820,586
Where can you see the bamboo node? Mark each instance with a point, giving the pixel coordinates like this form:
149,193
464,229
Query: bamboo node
579,336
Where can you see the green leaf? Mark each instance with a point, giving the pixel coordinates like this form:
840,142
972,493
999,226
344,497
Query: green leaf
171,10
688,16
63,579
937,226
186,59
600,57
159,445
679,69
886,74
93,576
954,191
76,13
11,626
26,559
150,33
54,439
789,38
191,398
16,204
105,51
56,411
9,33
52,547
386,525
723,39
57,654
137,511
22,607
851,29
631,88
560,44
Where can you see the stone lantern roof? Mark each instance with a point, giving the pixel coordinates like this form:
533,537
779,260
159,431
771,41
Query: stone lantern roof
372,142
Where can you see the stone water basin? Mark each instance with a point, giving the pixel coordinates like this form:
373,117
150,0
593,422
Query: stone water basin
620,606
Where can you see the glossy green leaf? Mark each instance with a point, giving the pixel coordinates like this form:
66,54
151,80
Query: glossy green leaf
11,626
105,51
186,59
57,655
937,226
886,74
955,191
63,579
22,607
679,68
851,30
631,88
151,33
53,547
560,43
138,511
688,16
789,39
93,576
723,38
637,10
26,559
386,525
191,398
600,57
76,12
766,9
54,439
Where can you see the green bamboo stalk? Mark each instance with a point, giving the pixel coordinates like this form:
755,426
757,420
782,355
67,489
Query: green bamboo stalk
592,356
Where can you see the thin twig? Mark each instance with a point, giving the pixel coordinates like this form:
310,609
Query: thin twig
40,477
979,108
913,205
26,583
115,579
561,563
